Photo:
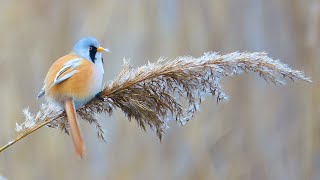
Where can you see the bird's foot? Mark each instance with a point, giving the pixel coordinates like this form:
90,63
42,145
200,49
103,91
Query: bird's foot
99,96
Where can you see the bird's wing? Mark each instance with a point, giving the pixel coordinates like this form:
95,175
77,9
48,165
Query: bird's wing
62,76
42,92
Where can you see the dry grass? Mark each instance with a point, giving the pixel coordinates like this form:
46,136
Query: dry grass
158,92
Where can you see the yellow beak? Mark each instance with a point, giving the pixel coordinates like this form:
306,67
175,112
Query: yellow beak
100,49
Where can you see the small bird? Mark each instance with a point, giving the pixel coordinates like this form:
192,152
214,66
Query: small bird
73,80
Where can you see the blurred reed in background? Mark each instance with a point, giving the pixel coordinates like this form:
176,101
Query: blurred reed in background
263,132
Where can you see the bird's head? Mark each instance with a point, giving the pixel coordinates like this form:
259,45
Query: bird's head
89,48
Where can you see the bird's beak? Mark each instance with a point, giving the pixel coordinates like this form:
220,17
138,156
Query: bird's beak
100,49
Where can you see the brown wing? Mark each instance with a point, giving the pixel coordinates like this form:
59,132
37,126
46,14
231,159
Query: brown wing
70,82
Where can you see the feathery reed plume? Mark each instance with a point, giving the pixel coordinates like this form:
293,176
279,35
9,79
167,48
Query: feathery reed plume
157,92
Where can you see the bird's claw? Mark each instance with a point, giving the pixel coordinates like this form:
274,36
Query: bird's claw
99,96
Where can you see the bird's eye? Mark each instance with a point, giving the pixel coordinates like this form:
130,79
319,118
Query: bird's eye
90,48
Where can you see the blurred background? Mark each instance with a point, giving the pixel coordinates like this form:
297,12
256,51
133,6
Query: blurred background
263,132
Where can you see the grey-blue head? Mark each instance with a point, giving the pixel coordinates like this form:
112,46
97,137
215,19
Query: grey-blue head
89,48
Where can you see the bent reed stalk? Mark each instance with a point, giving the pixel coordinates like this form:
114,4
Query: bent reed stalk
156,93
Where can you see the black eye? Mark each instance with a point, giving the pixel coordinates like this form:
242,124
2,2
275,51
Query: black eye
90,48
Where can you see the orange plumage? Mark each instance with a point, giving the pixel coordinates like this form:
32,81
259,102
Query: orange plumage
73,80
77,86
74,127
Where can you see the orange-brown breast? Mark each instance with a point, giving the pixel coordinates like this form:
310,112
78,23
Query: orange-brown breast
77,86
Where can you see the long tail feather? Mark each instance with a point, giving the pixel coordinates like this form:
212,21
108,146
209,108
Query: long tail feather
74,128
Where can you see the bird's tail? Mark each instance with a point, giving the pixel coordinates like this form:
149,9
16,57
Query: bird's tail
74,128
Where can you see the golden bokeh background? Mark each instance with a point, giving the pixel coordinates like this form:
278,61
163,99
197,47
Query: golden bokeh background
263,132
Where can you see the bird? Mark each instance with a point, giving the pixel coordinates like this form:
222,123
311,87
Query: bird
73,80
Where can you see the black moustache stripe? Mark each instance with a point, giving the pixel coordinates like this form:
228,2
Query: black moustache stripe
93,51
